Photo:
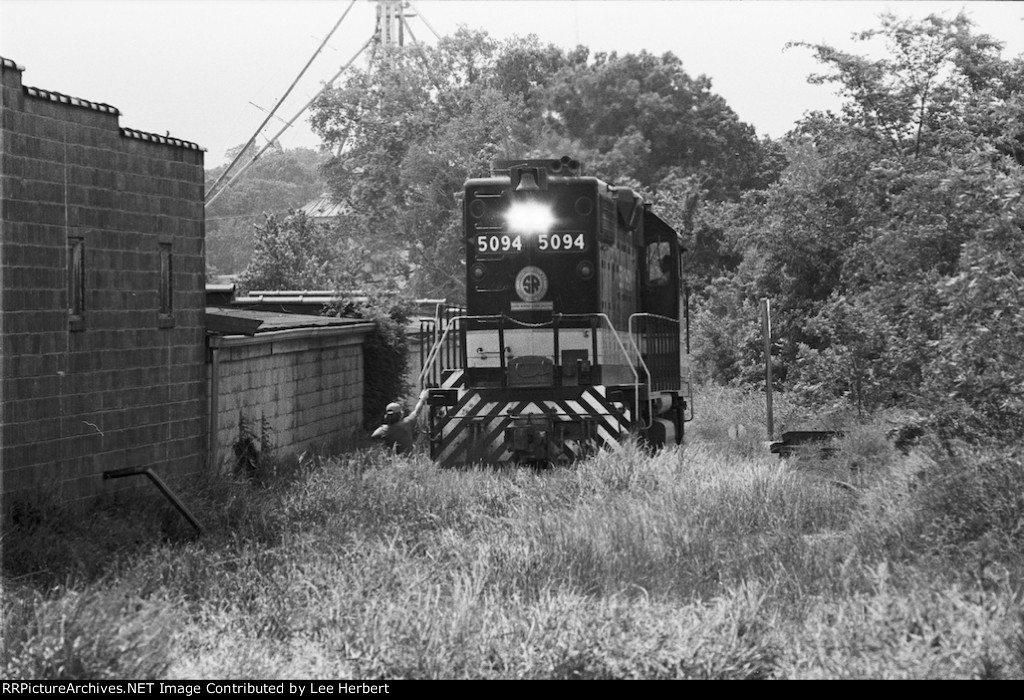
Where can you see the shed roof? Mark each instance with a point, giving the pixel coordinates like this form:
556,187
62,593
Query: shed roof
324,207
235,321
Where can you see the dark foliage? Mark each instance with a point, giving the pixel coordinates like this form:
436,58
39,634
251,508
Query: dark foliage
892,246
385,352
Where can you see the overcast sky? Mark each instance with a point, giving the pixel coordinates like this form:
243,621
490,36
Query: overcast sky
203,69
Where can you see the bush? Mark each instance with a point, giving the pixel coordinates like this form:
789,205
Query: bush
969,497
385,351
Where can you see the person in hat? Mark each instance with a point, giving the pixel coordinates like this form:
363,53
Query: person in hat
397,431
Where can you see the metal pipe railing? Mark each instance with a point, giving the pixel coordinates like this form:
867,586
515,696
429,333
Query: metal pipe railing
654,342
164,489
634,361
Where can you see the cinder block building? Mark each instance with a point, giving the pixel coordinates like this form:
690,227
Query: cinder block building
295,379
102,295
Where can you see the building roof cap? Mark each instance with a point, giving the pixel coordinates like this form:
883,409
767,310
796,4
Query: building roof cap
69,100
157,138
102,107
8,63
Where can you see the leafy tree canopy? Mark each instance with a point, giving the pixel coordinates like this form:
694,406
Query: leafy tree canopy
888,217
407,132
649,118
278,181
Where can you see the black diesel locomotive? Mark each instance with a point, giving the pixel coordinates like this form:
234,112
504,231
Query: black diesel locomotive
572,336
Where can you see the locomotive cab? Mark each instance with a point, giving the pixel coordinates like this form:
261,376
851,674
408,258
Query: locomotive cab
571,333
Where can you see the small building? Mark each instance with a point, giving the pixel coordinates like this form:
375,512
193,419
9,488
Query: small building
102,298
291,381
428,321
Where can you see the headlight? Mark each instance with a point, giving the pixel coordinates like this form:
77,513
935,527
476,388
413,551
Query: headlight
529,218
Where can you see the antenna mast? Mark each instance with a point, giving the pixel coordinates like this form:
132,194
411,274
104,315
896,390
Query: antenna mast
390,27
390,30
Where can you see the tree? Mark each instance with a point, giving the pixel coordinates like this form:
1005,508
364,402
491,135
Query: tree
408,132
663,122
889,217
295,252
899,99
976,367
405,135
290,253
277,182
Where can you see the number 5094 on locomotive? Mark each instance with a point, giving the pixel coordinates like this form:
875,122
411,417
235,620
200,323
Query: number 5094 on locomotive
573,336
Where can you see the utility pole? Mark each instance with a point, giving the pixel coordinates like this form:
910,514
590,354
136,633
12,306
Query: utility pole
390,30
766,329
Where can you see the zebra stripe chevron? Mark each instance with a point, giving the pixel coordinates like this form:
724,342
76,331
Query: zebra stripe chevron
473,430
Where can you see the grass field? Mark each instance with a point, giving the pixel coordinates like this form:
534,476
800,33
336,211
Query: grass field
714,560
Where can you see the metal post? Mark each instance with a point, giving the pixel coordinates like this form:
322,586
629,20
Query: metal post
501,351
158,482
766,329
686,313
555,360
214,404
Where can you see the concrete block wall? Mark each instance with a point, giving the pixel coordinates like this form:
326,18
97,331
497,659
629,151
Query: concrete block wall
124,384
306,385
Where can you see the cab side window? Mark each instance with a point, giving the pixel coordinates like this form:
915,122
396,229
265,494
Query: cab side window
660,268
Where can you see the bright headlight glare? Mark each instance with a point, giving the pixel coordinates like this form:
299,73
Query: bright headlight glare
529,217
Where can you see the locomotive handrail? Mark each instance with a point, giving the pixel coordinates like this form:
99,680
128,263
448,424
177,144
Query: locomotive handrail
615,334
454,321
640,356
632,367
432,355
647,375
439,343
633,333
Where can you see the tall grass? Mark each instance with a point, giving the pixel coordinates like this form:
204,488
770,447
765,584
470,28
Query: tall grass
100,632
714,560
